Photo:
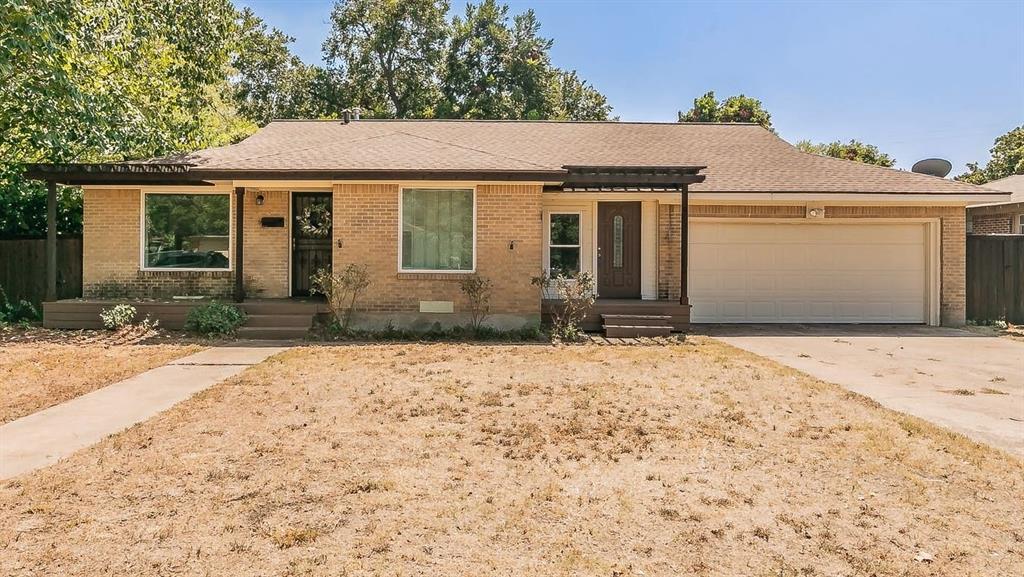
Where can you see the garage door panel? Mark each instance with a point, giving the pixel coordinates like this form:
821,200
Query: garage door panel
768,272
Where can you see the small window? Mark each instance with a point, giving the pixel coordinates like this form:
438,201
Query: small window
1020,224
564,244
437,230
187,231
617,242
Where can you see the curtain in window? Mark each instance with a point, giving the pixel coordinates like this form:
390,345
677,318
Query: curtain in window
437,229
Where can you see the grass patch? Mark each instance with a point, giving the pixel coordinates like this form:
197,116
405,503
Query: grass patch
464,460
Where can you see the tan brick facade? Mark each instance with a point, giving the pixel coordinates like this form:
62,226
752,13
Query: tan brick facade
366,227
266,249
992,224
509,249
952,305
111,251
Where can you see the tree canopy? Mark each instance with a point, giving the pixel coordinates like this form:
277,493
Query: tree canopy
1007,159
92,80
739,108
853,150
108,80
409,60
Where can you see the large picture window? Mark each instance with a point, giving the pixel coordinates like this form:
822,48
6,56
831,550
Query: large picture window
437,229
564,244
186,231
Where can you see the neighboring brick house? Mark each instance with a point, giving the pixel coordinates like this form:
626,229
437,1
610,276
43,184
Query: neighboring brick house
772,234
1005,217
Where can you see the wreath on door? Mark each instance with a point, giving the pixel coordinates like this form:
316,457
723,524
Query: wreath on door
315,220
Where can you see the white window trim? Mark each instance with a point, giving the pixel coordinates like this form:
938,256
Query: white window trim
401,203
142,232
1020,224
547,238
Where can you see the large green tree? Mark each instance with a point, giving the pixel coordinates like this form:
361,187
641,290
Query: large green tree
96,80
853,150
408,60
269,81
388,53
500,67
108,80
1007,159
737,108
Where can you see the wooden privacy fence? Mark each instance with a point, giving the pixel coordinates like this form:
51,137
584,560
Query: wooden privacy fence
23,268
995,278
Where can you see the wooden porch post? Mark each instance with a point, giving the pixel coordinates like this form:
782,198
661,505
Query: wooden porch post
51,240
684,247
239,243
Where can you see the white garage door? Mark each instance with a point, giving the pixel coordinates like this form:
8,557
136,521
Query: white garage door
810,272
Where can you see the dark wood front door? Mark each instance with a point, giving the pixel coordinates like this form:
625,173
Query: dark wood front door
311,250
618,250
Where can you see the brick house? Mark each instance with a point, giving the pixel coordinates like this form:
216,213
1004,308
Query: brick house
771,234
1006,217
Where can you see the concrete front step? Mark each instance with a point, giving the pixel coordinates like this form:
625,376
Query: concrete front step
638,320
281,307
272,333
298,321
632,331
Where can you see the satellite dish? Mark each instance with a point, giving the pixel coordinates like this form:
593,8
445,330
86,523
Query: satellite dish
939,167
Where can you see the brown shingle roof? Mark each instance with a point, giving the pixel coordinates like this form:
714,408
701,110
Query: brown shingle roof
739,157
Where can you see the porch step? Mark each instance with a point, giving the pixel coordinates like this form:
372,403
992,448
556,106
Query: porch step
303,321
272,333
281,307
627,331
638,320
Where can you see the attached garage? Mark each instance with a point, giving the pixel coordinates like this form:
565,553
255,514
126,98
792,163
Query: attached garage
812,272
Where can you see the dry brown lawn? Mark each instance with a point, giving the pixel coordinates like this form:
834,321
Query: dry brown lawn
521,460
39,369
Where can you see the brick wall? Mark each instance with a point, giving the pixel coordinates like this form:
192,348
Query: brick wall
111,251
669,242
266,249
366,223
992,224
952,305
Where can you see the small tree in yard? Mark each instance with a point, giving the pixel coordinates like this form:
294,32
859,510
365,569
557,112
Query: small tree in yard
577,295
341,290
478,290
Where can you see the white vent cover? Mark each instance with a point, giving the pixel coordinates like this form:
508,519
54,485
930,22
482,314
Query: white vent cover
437,306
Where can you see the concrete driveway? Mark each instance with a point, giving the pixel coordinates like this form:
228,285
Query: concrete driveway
968,383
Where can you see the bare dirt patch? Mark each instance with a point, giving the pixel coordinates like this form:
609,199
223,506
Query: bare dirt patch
520,460
39,368
1010,331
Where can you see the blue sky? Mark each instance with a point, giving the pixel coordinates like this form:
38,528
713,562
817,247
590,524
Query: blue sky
917,79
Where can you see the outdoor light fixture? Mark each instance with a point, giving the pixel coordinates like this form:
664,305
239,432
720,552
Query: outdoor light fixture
259,200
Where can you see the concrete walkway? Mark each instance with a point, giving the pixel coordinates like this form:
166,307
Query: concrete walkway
42,438
969,383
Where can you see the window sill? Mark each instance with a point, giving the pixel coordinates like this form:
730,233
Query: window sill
210,272
434,275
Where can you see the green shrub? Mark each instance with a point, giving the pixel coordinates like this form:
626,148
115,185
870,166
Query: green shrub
214,318
120,316
19,312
